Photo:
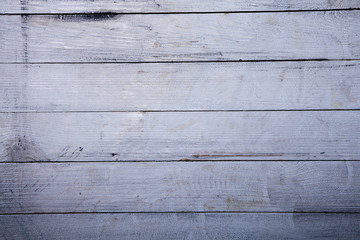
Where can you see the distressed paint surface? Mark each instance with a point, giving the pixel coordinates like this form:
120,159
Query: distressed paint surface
170,187
180,37
124,140
158,6
153,136
180,86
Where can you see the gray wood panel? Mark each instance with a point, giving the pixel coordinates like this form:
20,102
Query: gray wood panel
188,186
153,136
190,168
181,226
76,6
180,37
180,86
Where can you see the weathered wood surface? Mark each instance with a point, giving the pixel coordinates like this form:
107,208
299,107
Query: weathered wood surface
180,86
80,6
99,112
169,187
181,226
127,136
180,37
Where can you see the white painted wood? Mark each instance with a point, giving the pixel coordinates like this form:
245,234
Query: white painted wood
127,136
180,86
187,186
180,37
181,226
214,186
76,6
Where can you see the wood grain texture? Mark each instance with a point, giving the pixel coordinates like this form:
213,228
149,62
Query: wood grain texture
169,187
181,226
192,177
81,6
180,86
180,37
128,136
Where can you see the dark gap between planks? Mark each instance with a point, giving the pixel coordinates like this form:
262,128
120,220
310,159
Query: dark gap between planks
195,61
189,212
174,12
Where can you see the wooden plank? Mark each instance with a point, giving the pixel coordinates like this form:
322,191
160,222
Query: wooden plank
188,186
158,6
180,86
133,136
181,226
180,37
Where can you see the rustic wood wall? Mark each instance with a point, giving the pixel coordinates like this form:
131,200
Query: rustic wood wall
179,119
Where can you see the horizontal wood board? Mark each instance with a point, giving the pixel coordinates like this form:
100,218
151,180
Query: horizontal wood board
180,37
154,136
158,6
180,226
169,187
180,86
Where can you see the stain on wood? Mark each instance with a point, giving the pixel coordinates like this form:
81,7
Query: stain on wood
86,17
